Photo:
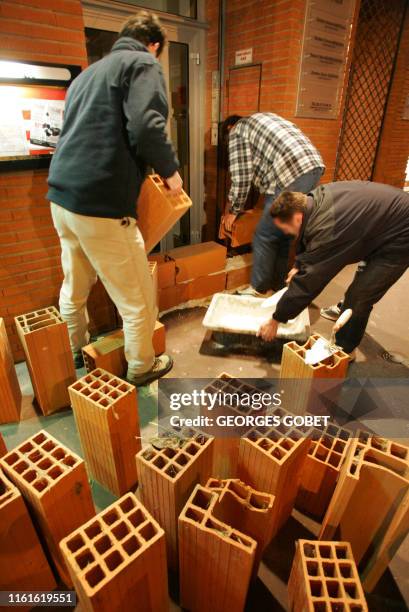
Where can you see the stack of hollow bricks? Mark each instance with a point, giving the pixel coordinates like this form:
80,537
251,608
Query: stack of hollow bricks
215,560
370,504
54,483
321,469
23,565
10,393
106,415
324,578
44,337
166,478
117,560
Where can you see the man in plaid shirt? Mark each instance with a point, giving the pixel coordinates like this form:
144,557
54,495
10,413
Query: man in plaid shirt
272,154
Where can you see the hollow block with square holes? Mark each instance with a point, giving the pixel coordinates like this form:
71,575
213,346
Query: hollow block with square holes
10,393
370,504
23,565
226,448
166,479
108,352
44,337
106,414
272,460
158,211
117,560
306,383
245,509
54,484
324,578
321,469
215,560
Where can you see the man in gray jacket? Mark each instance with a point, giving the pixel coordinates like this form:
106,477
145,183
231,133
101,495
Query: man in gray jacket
339,224
114,128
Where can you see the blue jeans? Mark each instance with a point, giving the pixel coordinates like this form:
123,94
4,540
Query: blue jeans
271,246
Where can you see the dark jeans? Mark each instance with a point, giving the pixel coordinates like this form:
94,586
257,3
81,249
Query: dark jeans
372,280
271,246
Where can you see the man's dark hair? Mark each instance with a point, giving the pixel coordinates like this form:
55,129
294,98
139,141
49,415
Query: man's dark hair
288,203
146,28
230,121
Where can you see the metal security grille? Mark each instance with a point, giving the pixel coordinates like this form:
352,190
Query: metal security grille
376,45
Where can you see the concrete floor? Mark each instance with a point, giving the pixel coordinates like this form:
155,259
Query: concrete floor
197,357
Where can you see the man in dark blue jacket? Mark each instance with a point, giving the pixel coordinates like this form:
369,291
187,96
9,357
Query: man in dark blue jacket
114,128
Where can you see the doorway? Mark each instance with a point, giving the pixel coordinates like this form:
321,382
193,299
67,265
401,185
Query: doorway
184,76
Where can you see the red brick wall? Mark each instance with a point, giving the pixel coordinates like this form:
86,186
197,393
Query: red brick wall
274,30
393,151
30,271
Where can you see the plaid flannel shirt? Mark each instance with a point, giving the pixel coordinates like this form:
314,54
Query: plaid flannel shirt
269,152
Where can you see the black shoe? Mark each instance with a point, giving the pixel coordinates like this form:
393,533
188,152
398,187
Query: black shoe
78,359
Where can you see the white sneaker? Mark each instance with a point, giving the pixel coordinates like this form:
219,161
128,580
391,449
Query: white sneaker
331,312
253,292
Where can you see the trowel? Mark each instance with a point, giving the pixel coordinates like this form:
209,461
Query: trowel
322,348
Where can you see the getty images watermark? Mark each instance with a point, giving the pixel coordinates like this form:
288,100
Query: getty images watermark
258,409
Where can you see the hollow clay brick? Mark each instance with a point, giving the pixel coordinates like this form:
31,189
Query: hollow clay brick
54,484
108,352
307,382
158,211
10,393
370,504
324,578
106,414
215,560
44,337
198,260
23,565
243,228
117,560
321,469
166,479
245,509
272,460
3,448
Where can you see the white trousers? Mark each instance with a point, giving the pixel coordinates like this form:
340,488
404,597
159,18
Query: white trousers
113,250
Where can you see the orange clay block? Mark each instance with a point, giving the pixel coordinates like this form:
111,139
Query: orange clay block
44,337
54,484
166,479
10,394
243,228
197,260
215,560
324,578
153,268
302,394
106,414
166,270
272,461
23,566
321,470
3,448
117,560
370,505
238,270
158,211
226,448
245,509
108,352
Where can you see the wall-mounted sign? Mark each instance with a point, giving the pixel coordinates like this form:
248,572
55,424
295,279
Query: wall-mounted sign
327,32
244,56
